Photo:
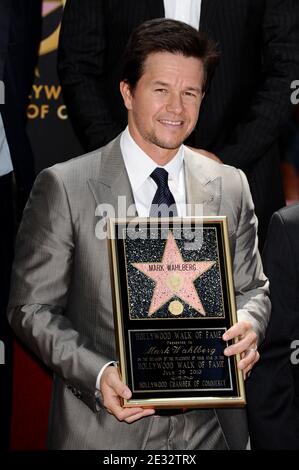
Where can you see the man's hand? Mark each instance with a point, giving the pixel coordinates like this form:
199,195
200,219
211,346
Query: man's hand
246,345
113,390
205,153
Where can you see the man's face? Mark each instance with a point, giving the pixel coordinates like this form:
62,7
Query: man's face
163,108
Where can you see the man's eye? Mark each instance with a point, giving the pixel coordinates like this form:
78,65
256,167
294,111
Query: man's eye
190,94
161,90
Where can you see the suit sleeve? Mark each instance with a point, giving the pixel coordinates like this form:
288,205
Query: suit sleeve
270,107
82,72
273,412
251,285
41,280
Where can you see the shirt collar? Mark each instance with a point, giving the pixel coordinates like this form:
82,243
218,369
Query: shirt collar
140,166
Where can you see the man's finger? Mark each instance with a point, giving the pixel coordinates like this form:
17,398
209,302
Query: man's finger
113,381
242,345
248,361
123,414
239,329
247,370
142,414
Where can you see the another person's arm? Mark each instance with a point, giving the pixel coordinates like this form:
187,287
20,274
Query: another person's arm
83,72
270,107
272,396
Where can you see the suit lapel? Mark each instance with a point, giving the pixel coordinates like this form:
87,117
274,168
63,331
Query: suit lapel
203,190
113,181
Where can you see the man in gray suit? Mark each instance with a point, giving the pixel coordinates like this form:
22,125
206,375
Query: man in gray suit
61,302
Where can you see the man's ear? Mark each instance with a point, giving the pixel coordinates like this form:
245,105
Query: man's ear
126,94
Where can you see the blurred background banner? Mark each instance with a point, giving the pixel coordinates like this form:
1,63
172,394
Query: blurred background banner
50,132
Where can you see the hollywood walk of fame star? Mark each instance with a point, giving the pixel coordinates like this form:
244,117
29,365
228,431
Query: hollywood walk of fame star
174,277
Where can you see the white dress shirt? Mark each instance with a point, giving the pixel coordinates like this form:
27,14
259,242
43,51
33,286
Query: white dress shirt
139,166
5,158
183,10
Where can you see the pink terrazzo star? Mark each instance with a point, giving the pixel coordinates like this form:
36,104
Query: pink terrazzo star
174,277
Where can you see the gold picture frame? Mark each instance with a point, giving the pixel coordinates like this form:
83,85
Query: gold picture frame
173,297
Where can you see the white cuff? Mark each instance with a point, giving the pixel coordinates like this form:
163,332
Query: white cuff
98,382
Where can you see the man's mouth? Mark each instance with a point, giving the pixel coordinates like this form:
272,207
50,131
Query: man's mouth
169,122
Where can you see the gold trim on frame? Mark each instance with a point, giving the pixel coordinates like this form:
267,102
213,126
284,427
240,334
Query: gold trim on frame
207,401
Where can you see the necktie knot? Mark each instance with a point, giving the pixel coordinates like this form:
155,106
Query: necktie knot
160,177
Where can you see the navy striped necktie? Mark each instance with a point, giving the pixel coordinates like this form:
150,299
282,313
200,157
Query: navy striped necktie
163,204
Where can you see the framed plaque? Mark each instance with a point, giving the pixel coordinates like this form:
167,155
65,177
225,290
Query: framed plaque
173,300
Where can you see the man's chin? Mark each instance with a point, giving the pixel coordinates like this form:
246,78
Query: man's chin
171,142
168,145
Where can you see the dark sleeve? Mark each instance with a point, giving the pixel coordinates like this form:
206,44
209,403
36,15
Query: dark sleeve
271,104
82,72
271,392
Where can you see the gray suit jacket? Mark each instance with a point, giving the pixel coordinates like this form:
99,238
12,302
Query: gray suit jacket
60,302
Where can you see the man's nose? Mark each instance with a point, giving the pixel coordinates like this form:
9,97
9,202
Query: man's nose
175,103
